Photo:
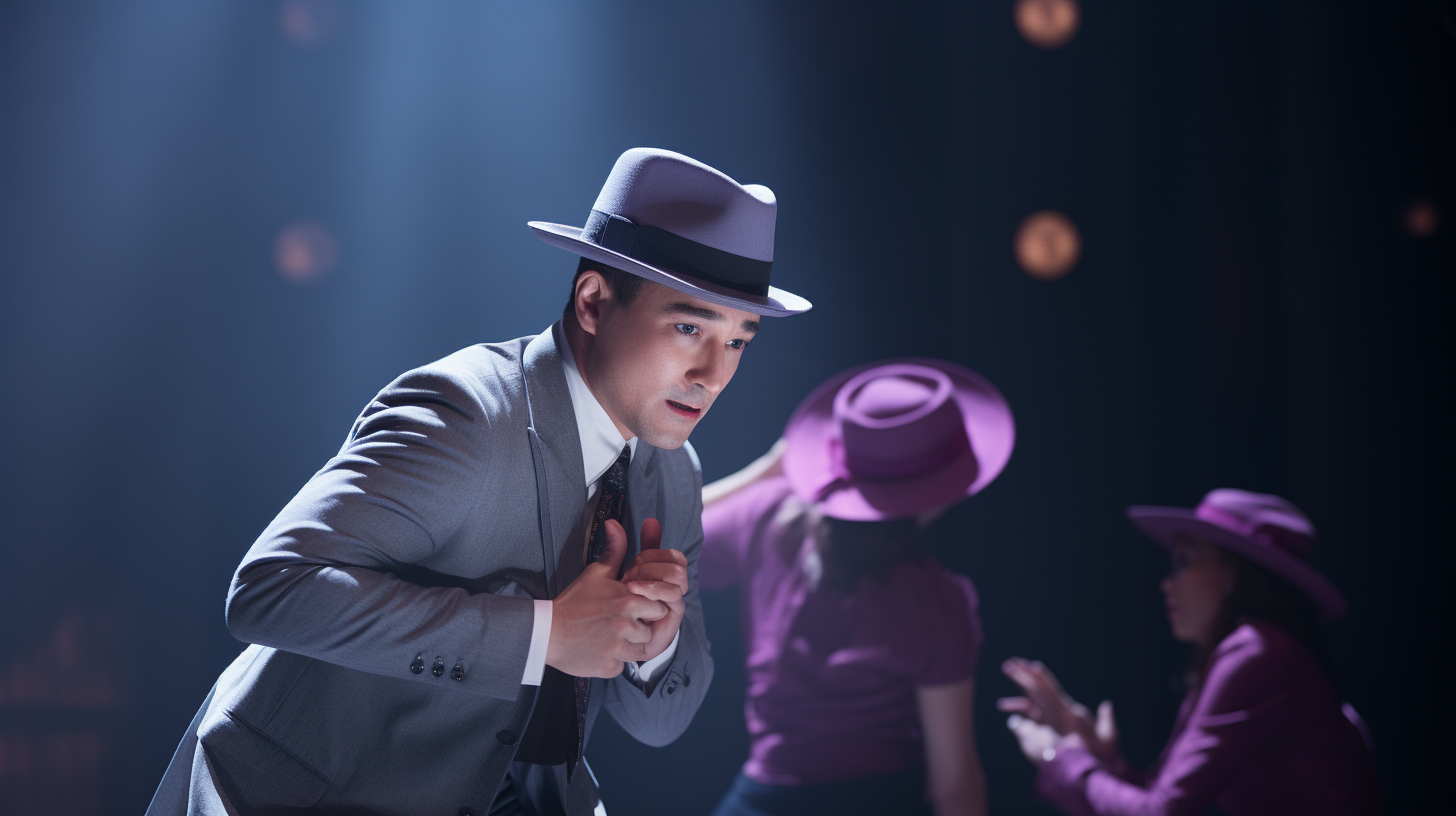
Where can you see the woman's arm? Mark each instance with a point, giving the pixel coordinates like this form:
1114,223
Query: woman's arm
1244,700
764,467
957,784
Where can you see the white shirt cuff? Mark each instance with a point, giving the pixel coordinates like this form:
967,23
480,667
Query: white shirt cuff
540,636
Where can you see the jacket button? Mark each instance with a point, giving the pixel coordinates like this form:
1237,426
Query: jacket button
458,673
439,667
506,737
419,664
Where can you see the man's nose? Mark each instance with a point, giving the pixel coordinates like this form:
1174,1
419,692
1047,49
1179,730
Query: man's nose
710,371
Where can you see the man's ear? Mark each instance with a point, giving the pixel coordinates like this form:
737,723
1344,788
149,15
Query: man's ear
591,297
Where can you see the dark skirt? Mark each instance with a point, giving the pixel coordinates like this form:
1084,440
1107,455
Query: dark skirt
897,793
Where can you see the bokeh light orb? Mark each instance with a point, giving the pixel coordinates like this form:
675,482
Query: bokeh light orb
305,251
1047,245
308,21
1048,23
1422,218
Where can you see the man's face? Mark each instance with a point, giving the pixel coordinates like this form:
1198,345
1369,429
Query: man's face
657,364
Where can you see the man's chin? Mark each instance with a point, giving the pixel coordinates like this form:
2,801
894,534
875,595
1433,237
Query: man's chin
666,441
669,438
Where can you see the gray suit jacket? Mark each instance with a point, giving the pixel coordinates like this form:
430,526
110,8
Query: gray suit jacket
455,501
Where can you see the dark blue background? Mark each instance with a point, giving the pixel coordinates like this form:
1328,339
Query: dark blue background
1250,310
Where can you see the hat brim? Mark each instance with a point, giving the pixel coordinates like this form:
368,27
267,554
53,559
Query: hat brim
808,461
1164,524
778,303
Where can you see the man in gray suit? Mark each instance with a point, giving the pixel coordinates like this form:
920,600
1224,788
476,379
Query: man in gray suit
440,613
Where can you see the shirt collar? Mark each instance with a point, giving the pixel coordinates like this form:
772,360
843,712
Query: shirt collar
601,442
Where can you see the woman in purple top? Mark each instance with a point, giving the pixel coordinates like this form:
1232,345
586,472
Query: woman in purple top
860,648
1263,729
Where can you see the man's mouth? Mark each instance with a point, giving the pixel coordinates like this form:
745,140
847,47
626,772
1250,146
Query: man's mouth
682,410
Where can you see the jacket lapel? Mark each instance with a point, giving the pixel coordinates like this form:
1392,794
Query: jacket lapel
560,480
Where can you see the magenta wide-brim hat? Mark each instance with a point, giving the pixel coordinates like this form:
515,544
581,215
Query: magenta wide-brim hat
812,432
1163,524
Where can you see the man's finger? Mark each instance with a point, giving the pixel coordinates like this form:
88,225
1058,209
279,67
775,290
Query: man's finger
630,652
666,555
663,591
651,534
641,608
669,572
638,634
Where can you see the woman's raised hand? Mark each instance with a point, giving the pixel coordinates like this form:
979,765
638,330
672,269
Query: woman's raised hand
1045,701
1047,704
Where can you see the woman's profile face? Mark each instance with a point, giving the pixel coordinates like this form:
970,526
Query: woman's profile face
1195,588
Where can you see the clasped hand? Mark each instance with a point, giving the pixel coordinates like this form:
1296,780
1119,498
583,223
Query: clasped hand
600,622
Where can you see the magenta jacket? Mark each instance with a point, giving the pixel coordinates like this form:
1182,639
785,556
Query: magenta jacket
1265,734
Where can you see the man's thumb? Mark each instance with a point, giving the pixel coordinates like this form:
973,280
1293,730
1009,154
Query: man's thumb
615,548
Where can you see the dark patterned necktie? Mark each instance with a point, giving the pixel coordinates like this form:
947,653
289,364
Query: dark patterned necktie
550,738
612,488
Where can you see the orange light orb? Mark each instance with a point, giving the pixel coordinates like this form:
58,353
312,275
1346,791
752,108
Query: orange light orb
305,251
1048,23
308,21
1047,245
1422,218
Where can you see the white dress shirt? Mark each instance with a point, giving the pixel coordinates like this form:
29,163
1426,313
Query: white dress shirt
601,444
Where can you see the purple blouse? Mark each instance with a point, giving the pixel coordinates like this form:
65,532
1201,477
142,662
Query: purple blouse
831,676
1265,734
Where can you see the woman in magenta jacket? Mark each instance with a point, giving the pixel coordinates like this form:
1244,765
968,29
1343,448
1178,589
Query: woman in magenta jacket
1263,729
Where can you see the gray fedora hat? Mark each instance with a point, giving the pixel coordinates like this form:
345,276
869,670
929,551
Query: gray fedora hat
678,222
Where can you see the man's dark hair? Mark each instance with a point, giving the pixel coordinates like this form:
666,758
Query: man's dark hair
624,285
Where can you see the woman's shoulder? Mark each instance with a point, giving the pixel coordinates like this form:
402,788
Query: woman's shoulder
1257,659
1260,642
928,585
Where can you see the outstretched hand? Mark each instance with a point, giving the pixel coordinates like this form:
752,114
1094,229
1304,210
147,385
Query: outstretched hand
598,623
659,575
1047,704
1038,741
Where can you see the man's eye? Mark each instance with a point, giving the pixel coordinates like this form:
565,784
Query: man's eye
687,328
737,344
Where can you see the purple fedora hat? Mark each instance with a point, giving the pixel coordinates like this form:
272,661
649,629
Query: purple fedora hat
890,439
674,220
1265,529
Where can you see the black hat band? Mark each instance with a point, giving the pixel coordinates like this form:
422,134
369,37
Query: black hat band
674,253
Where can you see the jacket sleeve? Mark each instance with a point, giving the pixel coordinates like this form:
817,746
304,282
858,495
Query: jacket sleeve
661,716
322,580
1245,699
